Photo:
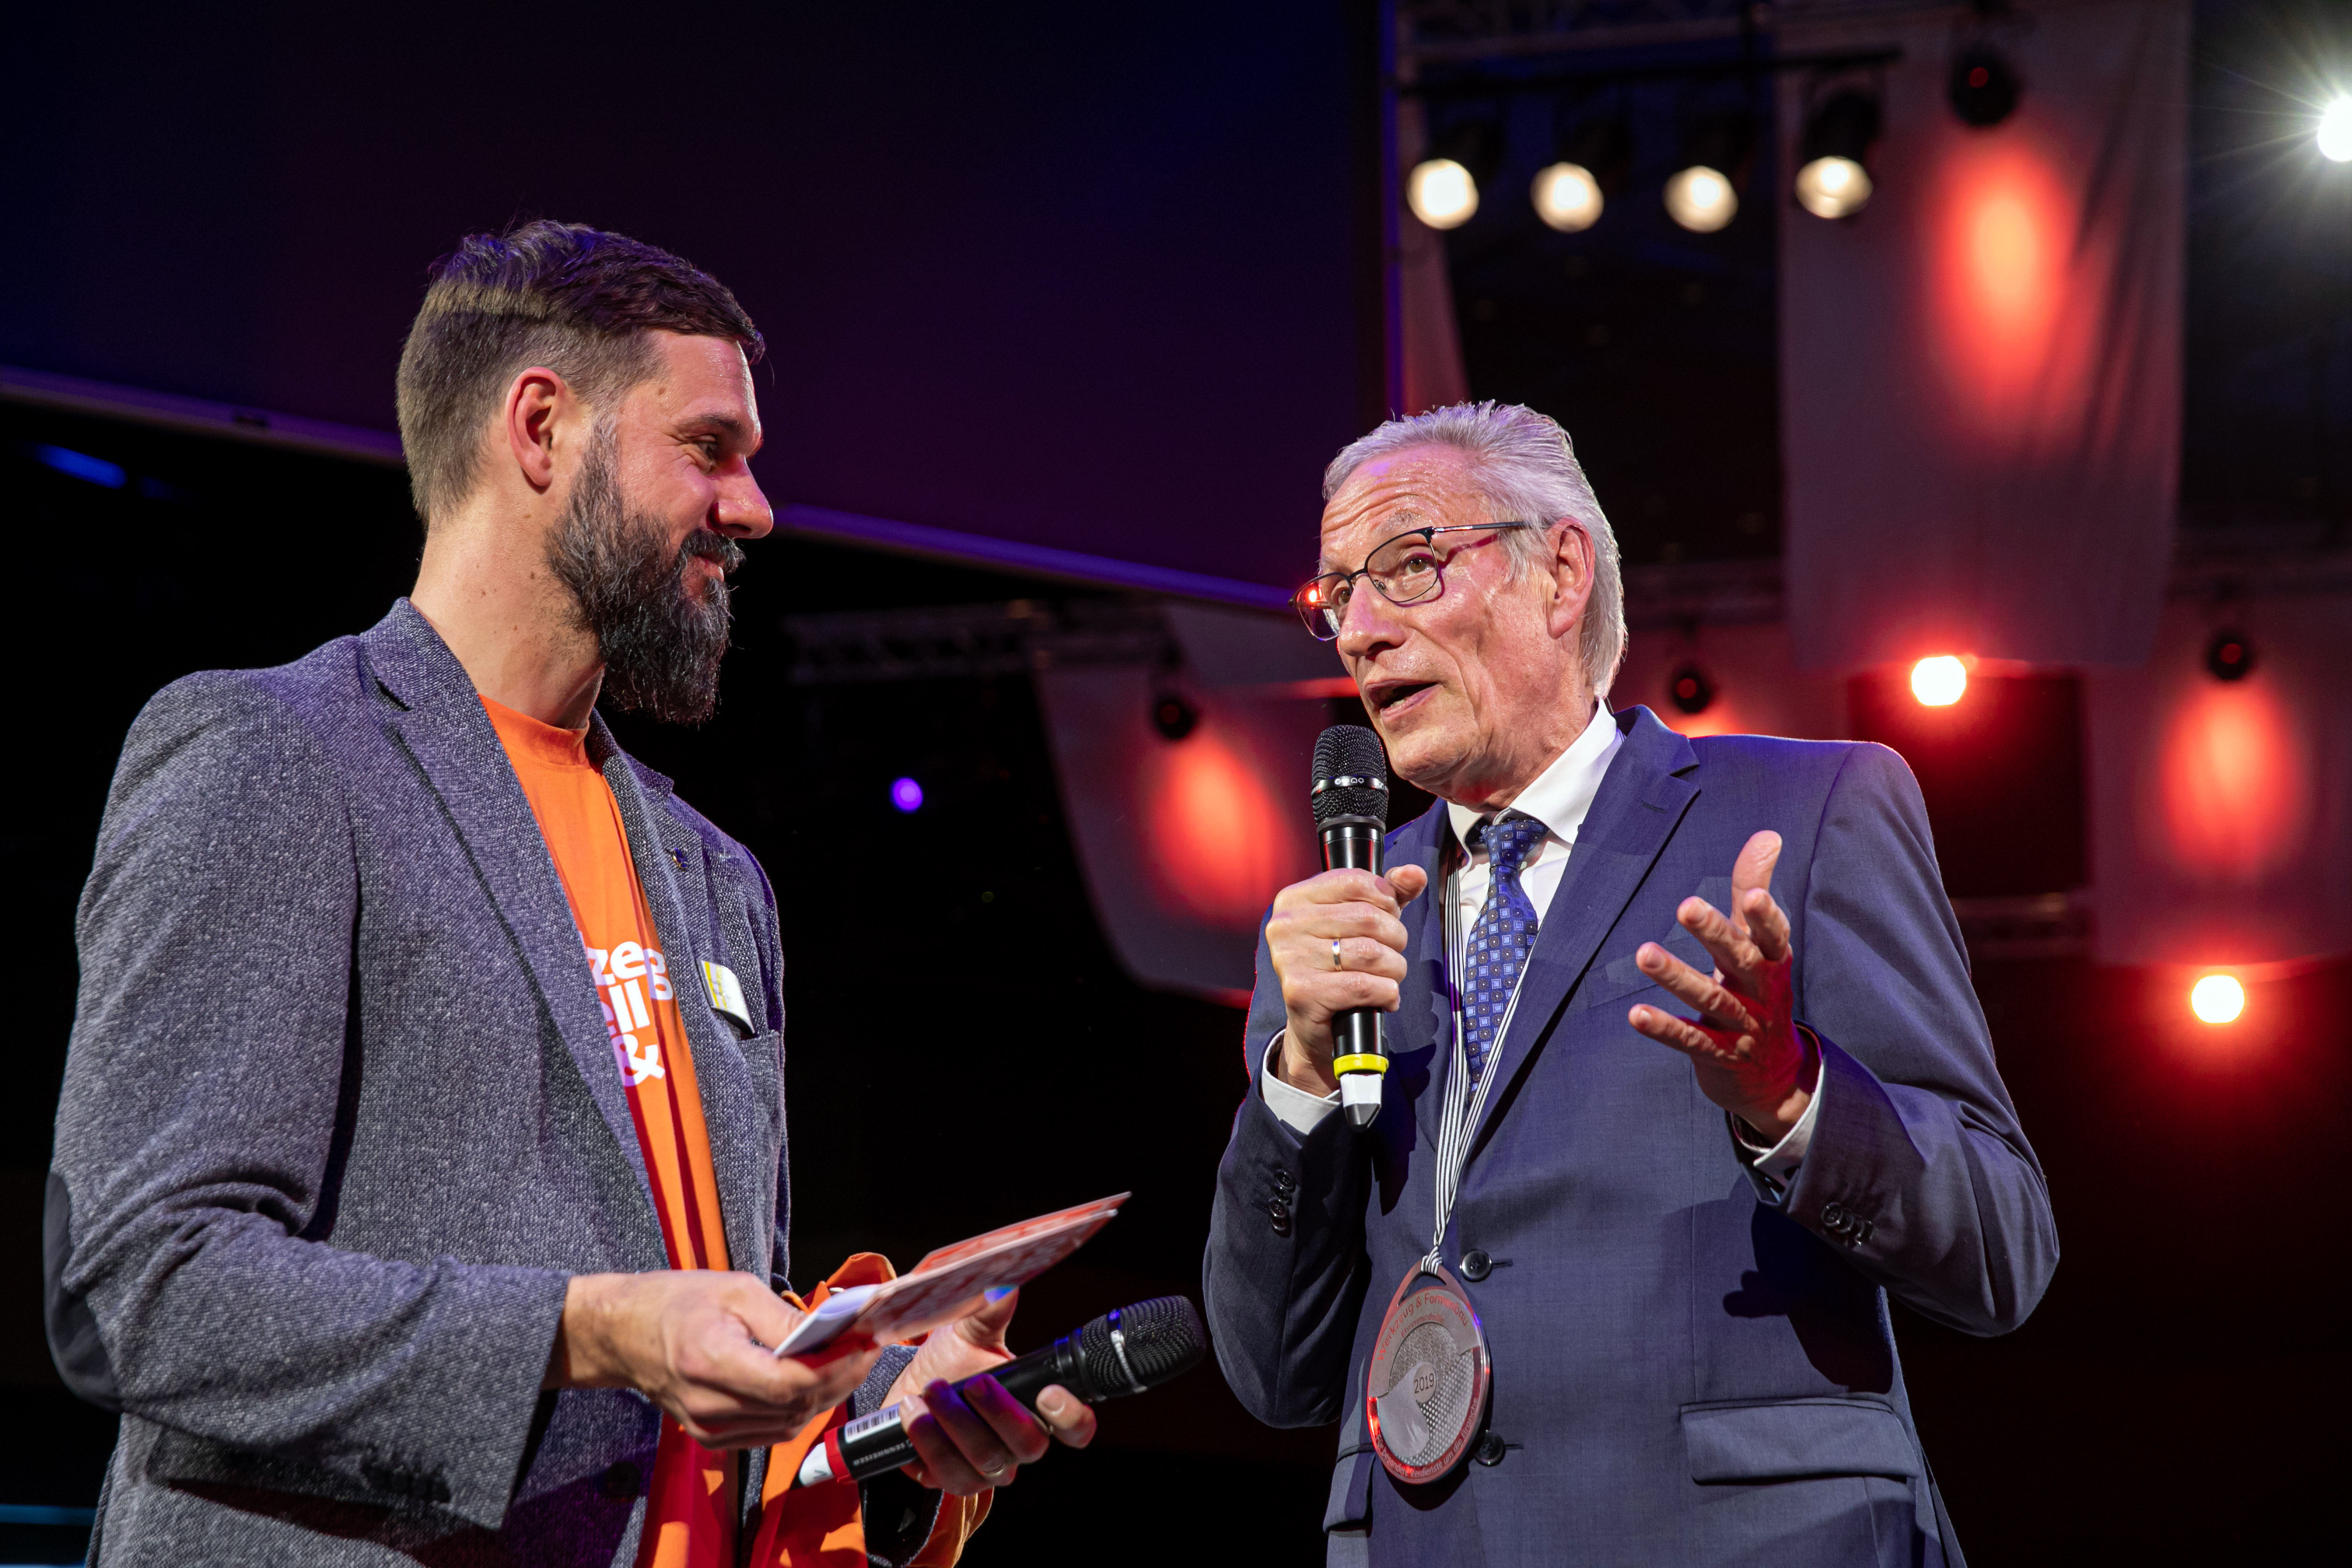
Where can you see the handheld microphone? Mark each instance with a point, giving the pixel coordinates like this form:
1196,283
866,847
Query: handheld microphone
1121,1353
1350,800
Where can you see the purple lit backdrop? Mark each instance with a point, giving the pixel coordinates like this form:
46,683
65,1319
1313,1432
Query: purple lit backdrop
1083,276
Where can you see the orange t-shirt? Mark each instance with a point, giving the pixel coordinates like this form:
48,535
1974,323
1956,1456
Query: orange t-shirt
690,1509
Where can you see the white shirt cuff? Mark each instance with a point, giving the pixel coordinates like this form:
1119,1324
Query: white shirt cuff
1776,1167
1295,1108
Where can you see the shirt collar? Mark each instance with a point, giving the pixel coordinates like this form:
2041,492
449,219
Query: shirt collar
1563,792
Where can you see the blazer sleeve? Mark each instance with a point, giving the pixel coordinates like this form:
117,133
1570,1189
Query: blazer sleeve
1284,1289
1917,1167
198,1127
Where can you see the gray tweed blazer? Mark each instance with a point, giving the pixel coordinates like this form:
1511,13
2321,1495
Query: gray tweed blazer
341,1116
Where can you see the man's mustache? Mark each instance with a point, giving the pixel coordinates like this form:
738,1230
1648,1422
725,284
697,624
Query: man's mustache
705,545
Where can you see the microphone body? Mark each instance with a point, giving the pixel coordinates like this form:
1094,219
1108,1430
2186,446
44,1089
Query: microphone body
1349,798
1119,1353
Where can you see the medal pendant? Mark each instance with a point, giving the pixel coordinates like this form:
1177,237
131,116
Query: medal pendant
1426,1386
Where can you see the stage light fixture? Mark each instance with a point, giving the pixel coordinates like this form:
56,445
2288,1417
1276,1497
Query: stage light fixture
1701,199
1984,86
1441,192
2229,656
1442,189
1939,682
1689,690
1172,716
1593,157
1567,197
1704,195
906,794
2336,131
1832,172
2218,999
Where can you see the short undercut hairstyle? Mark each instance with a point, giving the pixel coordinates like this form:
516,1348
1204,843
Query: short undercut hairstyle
576,299
1525,469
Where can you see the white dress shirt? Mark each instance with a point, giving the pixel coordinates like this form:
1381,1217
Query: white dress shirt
1560,798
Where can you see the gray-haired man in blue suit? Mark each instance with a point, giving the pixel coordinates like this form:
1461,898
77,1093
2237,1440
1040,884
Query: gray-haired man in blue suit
1720,1085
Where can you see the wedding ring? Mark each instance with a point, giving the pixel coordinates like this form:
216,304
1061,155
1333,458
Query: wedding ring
1336,961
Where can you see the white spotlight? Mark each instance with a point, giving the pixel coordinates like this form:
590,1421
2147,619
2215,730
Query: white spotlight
1568,198
2218,999
2336,131
1939,682
1832,187
1441,193
1700,199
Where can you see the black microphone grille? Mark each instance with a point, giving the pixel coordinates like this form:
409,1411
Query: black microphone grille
1351,774
1142,1346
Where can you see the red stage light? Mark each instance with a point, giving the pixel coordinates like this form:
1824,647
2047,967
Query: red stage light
1217,836
2234,786
2013,329
2218,999
1939,682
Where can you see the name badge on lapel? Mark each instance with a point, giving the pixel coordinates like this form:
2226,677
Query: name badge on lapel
727,995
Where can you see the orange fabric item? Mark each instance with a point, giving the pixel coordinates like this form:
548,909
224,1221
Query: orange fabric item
690,1505
822,1527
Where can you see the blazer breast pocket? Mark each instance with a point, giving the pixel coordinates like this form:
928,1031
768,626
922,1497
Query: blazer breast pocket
1621,976
763,1060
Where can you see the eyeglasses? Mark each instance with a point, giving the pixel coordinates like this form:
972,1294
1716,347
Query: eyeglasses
1407,570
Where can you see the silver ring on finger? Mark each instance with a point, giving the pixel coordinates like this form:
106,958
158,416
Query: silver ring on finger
1337,962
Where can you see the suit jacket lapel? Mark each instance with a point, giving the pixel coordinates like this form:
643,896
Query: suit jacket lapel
444,727
1641,803
1424,1013
669,859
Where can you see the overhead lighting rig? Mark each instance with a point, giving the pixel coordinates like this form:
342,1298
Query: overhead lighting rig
1592,154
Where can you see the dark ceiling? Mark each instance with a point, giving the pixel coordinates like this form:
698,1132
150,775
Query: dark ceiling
1093,277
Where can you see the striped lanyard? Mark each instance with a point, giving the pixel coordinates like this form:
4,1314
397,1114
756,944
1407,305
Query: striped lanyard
1465,1102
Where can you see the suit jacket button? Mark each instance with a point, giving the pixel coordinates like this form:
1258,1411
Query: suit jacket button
1832,1217
622,1479
1489,1449
1476,1266
1279,1212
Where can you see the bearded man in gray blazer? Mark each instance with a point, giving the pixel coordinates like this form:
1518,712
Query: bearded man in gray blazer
349,1216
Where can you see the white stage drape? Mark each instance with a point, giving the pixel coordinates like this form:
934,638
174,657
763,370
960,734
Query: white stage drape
1980,372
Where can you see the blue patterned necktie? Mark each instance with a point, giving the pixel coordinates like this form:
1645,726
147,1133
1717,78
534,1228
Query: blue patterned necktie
1501,939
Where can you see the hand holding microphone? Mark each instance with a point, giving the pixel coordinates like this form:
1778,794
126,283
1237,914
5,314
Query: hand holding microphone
1120,1353
1339,939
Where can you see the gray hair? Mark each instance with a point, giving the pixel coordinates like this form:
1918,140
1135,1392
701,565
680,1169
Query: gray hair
1525,470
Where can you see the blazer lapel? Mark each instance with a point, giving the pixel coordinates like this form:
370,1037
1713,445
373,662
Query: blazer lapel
444,727
669,859
1423,1012
1641,803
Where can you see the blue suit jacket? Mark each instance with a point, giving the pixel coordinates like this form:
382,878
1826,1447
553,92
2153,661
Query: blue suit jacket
1682,1373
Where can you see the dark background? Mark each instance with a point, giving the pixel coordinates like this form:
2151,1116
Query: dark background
1096,278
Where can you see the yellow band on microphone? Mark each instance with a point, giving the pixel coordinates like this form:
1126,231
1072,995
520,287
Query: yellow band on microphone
1360,1064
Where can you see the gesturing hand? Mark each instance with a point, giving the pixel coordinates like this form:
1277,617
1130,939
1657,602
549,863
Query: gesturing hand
981,1437
1337,941
1745,1047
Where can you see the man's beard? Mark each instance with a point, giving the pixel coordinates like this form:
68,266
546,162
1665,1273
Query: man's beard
660,644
